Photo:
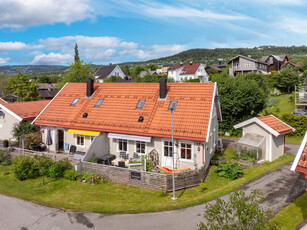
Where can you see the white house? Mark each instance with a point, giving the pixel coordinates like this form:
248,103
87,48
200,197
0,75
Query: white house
12,113
188,71
135,119
108,71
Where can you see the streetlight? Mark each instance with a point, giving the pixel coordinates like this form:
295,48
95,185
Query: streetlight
174,195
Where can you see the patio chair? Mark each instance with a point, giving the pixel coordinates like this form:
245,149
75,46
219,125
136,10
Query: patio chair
72,149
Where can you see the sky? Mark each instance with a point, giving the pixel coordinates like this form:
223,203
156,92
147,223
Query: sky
44,32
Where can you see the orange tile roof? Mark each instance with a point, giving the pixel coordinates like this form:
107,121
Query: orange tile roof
275,124
188,68
117,112
303,160
2,101
27,110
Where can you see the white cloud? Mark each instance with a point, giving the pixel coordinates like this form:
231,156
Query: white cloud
24,13
10,46
52,58
282,2
4,60
295,25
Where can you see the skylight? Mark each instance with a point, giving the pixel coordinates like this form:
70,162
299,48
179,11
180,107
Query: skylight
99,102
140,104
75,101
172,105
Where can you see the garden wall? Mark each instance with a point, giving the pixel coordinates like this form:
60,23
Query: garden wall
144,179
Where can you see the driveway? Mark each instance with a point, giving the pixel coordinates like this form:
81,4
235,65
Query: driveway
279,187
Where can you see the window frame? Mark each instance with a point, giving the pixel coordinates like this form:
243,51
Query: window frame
97,105
118,145
72,104
192,150
169,147
77,140
139,102
140,142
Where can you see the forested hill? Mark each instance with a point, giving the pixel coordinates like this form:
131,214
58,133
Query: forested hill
295,53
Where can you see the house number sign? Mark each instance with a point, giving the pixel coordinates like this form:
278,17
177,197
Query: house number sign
136,175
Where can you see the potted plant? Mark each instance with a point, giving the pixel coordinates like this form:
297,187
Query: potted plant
5,143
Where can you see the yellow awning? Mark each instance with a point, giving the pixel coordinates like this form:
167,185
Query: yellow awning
84,132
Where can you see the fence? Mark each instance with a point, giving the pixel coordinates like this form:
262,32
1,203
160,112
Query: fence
150,180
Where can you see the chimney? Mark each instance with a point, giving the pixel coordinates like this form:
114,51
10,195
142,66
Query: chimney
163,88
110,64
89,87
191,63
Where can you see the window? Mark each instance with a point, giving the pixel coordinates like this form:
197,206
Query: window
140,147
122,145
140,104
168,149
271,60
186,151
172,105
99,102
80,140
75,101
247,65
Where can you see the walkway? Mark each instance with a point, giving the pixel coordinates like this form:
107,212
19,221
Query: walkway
280,187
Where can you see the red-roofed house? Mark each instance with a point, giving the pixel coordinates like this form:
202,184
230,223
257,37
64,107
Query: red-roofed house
11,113
135,119
300,161
263,137
188,71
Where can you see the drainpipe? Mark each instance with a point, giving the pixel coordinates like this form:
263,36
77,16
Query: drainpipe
203,152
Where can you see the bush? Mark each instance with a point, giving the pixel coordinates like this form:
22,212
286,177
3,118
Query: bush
202,186
32,139
92,178
229,170
5,158
25,167
70,174
57,168
299,123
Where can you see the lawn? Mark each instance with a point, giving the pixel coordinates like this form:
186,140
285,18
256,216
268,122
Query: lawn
118,198
293,214
279,105
296,140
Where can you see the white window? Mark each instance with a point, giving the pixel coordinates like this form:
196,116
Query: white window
80,140
247,65
168,149
140,147
122,145
186,151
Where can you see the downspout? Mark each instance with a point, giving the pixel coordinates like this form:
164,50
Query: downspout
203,152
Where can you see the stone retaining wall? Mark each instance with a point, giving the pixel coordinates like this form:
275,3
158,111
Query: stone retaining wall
144,179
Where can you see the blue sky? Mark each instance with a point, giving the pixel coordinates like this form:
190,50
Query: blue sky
44,32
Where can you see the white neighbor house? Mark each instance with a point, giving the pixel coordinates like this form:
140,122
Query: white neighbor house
188,71
108,71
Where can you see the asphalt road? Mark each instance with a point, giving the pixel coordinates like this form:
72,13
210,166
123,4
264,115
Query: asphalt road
279,187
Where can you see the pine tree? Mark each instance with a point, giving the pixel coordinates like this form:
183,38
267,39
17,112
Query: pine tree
76,53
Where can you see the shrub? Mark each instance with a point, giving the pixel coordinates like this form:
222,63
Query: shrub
229,170
43,163
92,178
148,163
57,168
32,139
5,158
202,186
25,167
247,157
70,174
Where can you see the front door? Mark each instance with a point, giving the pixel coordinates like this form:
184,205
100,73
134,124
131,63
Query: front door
60,140
167,154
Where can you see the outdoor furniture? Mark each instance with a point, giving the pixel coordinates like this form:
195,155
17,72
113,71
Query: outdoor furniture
72,149
170,171
121,164
107,159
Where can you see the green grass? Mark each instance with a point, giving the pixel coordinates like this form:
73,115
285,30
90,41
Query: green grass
118,198
296,140
282,106
293,214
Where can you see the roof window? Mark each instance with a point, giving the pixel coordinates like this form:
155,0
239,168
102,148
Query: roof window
140,104
75,101
172,105
99,102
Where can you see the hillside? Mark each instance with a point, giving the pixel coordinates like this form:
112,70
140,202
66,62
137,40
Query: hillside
295,53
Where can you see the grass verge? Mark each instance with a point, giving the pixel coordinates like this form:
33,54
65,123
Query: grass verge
118,198
293,214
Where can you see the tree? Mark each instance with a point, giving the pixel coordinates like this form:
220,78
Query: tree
304,63
43,164
135,72
3,82
151,66
239,212
23,128
21,86
111,79
287,79
43,79
77,72
76,53
126,70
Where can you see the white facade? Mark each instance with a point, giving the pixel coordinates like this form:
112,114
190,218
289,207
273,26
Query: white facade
117,71
179,76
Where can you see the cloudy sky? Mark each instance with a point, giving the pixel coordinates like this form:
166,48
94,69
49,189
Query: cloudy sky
45,31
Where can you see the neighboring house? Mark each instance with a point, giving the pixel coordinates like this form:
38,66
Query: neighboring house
275,62
151,72
10,98
11,113
135,119
47,90
218,67
290,64
245,65
108,71
165,68
188,71
263,137
300,161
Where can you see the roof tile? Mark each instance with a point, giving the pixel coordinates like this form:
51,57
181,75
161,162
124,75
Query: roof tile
275,124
